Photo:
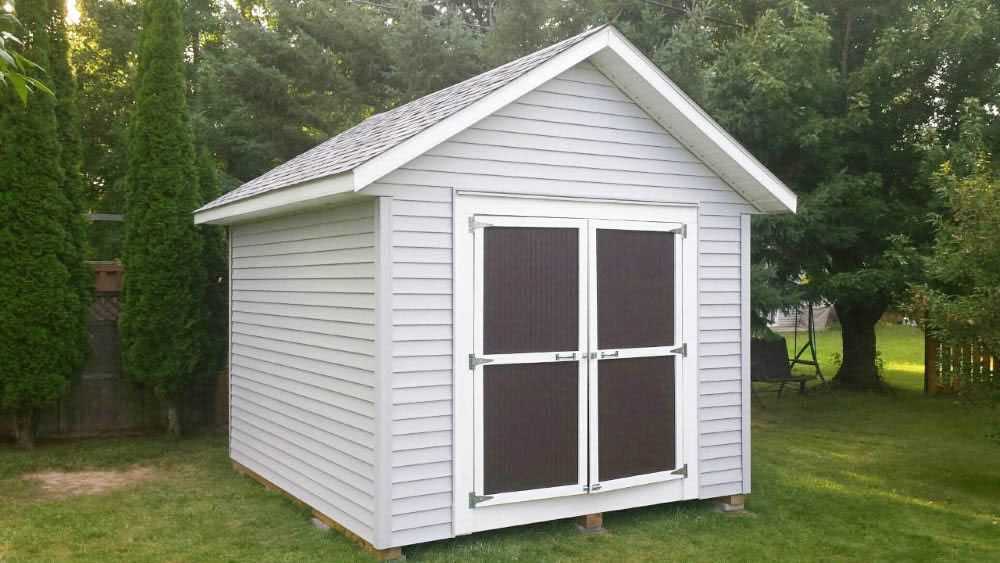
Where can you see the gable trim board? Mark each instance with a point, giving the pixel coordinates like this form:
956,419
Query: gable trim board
610,51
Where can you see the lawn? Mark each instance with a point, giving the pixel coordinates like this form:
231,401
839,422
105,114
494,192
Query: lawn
857,475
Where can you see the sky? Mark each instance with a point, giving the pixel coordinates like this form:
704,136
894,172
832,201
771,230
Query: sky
72,14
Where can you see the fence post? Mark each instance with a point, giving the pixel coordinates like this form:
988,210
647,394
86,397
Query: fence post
930,363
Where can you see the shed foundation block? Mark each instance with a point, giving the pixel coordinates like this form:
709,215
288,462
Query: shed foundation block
732,504
591,523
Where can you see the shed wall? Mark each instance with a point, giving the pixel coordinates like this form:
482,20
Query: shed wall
577,135
302,380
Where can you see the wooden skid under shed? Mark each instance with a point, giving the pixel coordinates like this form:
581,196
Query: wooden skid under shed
390,554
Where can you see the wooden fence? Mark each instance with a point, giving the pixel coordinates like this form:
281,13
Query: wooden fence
101,401
952,367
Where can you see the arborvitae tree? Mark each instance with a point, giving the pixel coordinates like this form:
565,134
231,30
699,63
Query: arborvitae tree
68,127
215,255
39,304
162,322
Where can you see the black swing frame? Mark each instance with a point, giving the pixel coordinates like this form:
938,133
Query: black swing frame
787,377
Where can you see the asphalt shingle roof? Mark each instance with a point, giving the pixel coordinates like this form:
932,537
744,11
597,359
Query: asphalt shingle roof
383,131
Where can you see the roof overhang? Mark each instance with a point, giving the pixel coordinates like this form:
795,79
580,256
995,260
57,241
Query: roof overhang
621,62
332,189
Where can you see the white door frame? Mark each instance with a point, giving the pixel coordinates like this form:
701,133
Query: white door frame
482,207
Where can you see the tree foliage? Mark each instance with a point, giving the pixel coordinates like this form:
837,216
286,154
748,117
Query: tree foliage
837,98
41,334
162,322
71,159
15,68
844,100
215,253
961,298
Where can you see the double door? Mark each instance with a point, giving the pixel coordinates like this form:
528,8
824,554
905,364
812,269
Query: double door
577,356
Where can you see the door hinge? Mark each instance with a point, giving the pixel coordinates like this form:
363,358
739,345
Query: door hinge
682,471
682,230
592,488
475,499
682,350
474,361
473,224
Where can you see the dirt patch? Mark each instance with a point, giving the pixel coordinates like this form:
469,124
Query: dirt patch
58,484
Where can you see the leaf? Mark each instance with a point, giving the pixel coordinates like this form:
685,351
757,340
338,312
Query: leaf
38,85
22,62
6,57
17,81
7,36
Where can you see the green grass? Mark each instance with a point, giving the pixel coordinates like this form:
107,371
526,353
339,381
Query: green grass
855,476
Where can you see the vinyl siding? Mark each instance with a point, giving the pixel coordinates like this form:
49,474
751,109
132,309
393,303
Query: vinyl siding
302,384
720,387
577,135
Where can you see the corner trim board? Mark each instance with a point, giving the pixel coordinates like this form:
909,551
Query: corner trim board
745,347
383,372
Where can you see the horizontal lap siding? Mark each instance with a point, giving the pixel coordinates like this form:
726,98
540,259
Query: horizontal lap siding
302,367
720,388
421,361
577,135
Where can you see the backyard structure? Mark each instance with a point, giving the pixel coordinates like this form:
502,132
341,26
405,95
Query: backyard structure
521,298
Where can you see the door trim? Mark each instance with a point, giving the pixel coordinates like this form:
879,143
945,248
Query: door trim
466,520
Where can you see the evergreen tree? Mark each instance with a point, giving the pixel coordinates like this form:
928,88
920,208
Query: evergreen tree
39,302
68,126
429,51
216,256
162,322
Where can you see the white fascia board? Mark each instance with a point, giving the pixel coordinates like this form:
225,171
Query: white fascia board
399,155
703,122
283,200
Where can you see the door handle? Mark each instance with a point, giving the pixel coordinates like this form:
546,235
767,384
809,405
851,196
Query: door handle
571,356
609,354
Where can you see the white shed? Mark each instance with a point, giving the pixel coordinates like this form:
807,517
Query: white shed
521,298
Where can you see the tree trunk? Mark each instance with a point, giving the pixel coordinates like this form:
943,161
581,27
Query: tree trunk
173,421
859,367
25,428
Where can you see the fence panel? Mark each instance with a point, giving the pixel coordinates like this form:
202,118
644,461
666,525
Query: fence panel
101,400
957,367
